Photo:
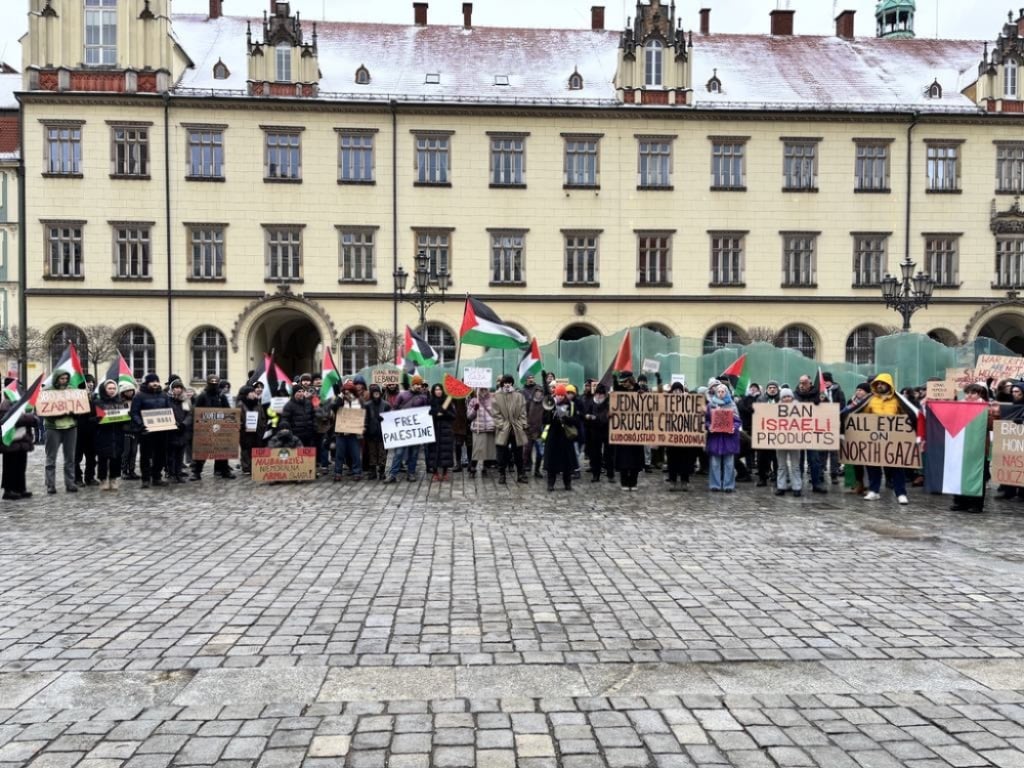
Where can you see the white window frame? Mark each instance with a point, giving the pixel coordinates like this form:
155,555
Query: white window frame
358,350
942,259
800,165
356,157
654,58
1010,167
728,163
437,245
62,148
205,146
209,348
799,259
138,347
870,258
282,154
1010,73
64,241
283,253
582,164
133,250
654,259
582,259
129,151
433,158
357,254
858,350
942,166
728,258
441,338
508,161
654,162
871,166
207,251
1009,262
283,63
791,337
508,257
101,20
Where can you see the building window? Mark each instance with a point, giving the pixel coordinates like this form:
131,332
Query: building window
64,250
581,162
101,33
799,339
64,149
1010,168
59,340
655,164
207,243
723,336
581,266
442,340
728,166
508,262
800,166
357,255
1010,79
132,254
209,354
284,156
221,71
575,82
284,254
130,151
1009,262
871,169
508,161
941,259
205,153
727,258
654,258
358,350
860,346
362,76
139,350
653,63
283,63
355,158
437,246
433,158
870,259
943,167
798,267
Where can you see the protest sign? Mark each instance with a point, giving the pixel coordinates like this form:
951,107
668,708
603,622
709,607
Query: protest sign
961,377
651,366
410,426
722,421
283,465
1008,453
159,420
350,421
252,420
678,377
277,404
796,427
60,402
215,433
113,415
941,390
999,367
654,418
386,377
478,377
873,440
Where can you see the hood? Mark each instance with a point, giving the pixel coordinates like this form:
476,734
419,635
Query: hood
883,378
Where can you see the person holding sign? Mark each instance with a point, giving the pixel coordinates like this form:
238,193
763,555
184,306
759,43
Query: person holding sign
254,424
152,444
61,435
561,431
109,434
722,420
788,475
212,397
886,402
348,410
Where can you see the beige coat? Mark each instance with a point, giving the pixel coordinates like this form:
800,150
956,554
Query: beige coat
509,410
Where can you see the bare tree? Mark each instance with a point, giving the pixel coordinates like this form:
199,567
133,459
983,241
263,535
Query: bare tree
386,345
763,333
35,342
102,345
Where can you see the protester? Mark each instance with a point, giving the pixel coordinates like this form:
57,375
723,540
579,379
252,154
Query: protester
509,410
766,459
480,412
462,437
629,459
722,447
788,476
561,431
595,425
884,401
860,393
297,418
61,432
533,451
978,393
376,456
15,455
152,445
441,453
131,434
179,440
807,392
414,397
212,396
347,449
680,459
248,402
85,439
109,436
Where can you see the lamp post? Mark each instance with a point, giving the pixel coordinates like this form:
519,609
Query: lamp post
910,294
427,289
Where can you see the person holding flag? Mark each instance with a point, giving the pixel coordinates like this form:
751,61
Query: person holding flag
61,436
112,416
18,441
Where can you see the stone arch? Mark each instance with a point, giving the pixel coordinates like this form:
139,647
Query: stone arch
786,339
661,328
944,336
284,299
577,331
1002,321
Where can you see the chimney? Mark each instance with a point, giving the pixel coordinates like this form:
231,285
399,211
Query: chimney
782,22
1020,23
467,15
705,21
597,18
419,13
844,25
216,9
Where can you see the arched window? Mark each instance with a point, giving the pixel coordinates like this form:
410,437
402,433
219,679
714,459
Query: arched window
221,71
860,345
575,82
209,354
138,348
362,76
935,90
283,63
721,336
800,339
358,350
59,339
944,336
664,330
652,62
443,342
1010,79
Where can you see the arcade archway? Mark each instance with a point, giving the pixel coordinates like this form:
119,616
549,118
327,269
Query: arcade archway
291,335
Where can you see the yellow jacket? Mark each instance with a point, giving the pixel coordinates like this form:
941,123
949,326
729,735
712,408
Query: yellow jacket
883,404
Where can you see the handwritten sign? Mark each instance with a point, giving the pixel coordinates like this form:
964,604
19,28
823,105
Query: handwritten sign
478,377
409,426
215,433
678,377
252,421
386,377
283,465
350,421
873,440
796,427
60,402
1008,453
653,418
159,420
722,421
278,403
651,366
941,390
999,367
962,377
114,415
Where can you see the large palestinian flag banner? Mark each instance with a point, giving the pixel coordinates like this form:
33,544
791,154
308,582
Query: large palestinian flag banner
957,440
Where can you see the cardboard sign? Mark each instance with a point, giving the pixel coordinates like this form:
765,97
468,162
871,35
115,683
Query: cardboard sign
680,377
796,427
999,367
722,421
350,421
478,377
115,416
215,433
941,390
871,440
410,426
651,366
656,418
386,377
60,402
1008,453
159,420
283,465
278,403
961,377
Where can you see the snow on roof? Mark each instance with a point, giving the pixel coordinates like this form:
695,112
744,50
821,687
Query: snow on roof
756,71
9,83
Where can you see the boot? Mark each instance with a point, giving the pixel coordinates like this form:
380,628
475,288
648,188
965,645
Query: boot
858,489
104,485
501,478
115,484
522,478
673,486
536,470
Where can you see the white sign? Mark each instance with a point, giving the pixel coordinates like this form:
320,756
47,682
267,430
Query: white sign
411,426
478,377
252,420
680,377
651,366
278,403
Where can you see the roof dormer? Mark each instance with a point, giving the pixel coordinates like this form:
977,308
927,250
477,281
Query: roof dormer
654,57
999,87
283,63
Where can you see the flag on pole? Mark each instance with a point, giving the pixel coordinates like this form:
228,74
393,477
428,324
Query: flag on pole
623,361
69,364
120,372
418,351
262,376
823,391
530,363
329,375
737,376
280,377
481,327
957,439
11,391
10,423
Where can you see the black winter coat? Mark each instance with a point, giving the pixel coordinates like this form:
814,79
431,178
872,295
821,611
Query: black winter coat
184,420
215,399
110,437
299,418
441,454
147,401
26,442
559,450
374,408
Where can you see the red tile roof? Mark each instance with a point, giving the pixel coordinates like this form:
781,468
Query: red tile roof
8,133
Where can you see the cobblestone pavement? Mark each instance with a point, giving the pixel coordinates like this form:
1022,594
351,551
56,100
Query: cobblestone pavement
474,624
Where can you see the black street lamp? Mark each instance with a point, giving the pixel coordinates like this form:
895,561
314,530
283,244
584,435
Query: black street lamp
910,294
426,286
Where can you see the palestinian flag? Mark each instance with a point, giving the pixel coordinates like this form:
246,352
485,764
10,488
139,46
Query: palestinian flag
957,440
16,411
417,351
120,372
11,391
330,376
264,374
112,416
280,377
738,376
481,327
623,361
69,364
530,362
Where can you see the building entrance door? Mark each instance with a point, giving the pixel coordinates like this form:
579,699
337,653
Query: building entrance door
292,337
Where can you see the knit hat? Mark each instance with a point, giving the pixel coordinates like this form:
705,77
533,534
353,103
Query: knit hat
785,392
125,386
864,386
150,378
358,379
417,379
560,390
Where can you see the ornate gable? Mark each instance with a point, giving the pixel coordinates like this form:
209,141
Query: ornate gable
283,63
654,57
999,87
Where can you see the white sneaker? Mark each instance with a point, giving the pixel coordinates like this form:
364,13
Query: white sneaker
903,499
871,496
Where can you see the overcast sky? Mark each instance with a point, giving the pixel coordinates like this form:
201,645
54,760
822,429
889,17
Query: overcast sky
976,19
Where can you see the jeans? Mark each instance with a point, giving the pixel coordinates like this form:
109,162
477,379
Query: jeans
788,476
64,440
899,480
816,464
409,454
347,451
722,473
